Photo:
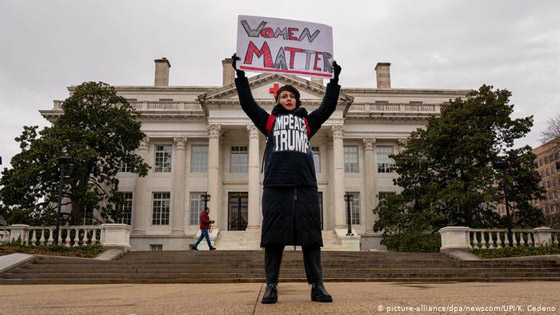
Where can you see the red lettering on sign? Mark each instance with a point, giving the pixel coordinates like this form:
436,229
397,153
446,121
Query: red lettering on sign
267,32
274,89
291,30
265,50
293,52
317,53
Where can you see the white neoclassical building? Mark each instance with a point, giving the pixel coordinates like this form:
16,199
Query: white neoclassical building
199,141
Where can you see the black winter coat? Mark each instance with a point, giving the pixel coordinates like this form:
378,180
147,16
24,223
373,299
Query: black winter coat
290,203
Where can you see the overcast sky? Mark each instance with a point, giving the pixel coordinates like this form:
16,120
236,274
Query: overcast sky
46,46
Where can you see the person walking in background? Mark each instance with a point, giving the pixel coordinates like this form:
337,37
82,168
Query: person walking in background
204,227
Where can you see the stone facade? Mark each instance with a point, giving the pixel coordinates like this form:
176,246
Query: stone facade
548,166
213,148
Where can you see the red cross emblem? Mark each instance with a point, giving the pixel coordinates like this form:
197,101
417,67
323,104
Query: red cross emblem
274,89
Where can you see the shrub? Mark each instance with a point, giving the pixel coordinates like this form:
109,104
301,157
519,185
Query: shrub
413,242
88,251
519,251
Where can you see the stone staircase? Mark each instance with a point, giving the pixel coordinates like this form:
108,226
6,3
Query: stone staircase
331,242
223,266
239,240
251,240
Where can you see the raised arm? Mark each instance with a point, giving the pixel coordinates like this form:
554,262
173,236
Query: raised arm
317,117
258,115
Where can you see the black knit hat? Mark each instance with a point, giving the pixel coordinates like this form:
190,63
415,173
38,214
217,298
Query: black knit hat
292,89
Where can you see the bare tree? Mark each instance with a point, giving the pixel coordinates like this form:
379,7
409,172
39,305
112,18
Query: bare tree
552,131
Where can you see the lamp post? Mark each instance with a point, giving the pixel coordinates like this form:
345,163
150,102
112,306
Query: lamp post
63,160
502,165
205,198
349,198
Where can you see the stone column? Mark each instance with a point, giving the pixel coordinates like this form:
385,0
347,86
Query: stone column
369,167
328,206
178,209
253,178
214,172
140,212
338,177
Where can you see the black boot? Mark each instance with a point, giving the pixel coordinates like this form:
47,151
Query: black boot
271,294
319,293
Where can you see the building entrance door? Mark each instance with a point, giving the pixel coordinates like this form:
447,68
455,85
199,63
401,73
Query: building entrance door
237,211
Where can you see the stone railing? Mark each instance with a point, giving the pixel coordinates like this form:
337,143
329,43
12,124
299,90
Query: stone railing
166,106
156,105
108,235
395,108
464,238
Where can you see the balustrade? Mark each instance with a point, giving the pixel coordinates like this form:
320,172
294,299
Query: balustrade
105,234
464,238
416,108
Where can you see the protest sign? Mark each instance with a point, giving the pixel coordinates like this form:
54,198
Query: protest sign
284,46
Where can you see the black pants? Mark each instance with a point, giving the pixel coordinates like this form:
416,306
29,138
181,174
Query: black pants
311,259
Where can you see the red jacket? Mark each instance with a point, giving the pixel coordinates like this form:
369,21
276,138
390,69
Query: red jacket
204,220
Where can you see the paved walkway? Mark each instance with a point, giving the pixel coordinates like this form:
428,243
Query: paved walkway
349,298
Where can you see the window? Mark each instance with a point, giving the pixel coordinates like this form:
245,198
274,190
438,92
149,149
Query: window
238,160
156,247
160,208
125,168
384,162
197,205
383,198
316,159
163,158
354,208
351,159
199,158
126,209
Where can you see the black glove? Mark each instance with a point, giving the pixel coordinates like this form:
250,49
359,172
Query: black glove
337,70
240,73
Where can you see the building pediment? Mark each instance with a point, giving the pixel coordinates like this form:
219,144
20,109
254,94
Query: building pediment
263,87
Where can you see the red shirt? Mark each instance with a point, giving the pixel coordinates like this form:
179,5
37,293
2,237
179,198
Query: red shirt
204,220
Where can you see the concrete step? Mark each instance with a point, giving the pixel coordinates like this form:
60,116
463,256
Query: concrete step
247,266
261,280
251,268
284,274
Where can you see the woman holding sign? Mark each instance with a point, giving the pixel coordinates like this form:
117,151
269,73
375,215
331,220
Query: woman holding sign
290,203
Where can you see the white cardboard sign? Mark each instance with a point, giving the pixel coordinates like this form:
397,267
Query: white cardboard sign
284,46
